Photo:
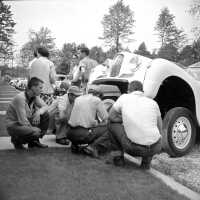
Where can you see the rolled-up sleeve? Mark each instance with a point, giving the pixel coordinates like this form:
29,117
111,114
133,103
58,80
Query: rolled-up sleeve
103,114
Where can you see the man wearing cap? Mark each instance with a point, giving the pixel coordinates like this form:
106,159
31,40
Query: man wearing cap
85,128
64,107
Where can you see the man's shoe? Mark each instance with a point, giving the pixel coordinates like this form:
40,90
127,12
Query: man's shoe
146,163
119,161
75,149
145,166
36,143
91,151
63,141
19,146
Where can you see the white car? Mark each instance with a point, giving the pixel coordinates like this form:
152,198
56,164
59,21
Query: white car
176,90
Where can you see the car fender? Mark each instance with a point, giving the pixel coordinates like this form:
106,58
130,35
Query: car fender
161,69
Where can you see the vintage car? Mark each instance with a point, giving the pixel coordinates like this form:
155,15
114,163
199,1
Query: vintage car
176,90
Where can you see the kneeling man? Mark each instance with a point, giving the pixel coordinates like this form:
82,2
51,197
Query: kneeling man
135,125
84,125
27,118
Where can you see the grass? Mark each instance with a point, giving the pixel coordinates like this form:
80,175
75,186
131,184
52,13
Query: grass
57,174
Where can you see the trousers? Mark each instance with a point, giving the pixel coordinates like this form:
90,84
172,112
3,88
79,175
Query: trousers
97,137
25,134
121,142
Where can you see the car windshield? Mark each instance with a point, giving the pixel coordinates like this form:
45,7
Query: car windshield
116,65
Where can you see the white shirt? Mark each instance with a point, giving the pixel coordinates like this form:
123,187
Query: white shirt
85,111
43,69
31,62
87,64
139,116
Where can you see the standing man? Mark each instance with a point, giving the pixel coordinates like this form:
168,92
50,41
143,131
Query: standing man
85,128
86,64
34,59
27,119
44,69
135,125
76,71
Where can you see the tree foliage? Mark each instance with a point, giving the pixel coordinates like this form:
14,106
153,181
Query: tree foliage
41,38
168,33
6,30
168,52
142,50
118,24
195,11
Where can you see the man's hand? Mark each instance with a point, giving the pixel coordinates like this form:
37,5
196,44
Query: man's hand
36,119
37,131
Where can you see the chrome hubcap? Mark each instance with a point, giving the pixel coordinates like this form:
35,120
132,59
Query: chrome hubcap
181,132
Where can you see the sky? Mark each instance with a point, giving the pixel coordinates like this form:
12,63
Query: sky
79,21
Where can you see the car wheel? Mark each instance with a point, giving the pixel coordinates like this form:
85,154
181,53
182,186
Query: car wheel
179,131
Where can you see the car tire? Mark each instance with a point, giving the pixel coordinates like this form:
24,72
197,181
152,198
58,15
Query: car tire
179,131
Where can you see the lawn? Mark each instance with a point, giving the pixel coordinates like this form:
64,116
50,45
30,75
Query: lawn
53,174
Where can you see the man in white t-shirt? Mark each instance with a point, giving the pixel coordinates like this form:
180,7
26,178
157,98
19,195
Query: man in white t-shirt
44,69
135,125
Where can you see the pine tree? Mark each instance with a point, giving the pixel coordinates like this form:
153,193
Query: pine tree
118,24
6,31
167,31
142,50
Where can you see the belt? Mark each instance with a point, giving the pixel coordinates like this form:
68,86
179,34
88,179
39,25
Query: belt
149,146
74,127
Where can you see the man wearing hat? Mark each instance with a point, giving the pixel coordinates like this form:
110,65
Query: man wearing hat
85,128
64,107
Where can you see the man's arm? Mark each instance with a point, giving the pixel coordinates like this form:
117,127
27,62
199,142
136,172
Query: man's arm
159,119
20,109
159,124
102,113
115,116
52,75
43,107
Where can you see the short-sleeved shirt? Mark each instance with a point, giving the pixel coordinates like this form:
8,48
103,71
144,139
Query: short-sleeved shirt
87,64
85,110
139,116
43,69
21,109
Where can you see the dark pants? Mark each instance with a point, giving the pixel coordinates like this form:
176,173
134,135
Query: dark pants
97,137
121,142
25,134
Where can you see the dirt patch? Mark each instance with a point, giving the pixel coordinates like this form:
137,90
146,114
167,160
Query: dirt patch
185,170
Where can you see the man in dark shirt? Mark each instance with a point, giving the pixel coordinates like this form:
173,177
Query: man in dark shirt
27,118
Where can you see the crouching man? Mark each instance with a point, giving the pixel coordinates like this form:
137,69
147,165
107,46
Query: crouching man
65,105
84,126
135,126
27,119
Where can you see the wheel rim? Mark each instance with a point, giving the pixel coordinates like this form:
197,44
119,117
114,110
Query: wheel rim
181,132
